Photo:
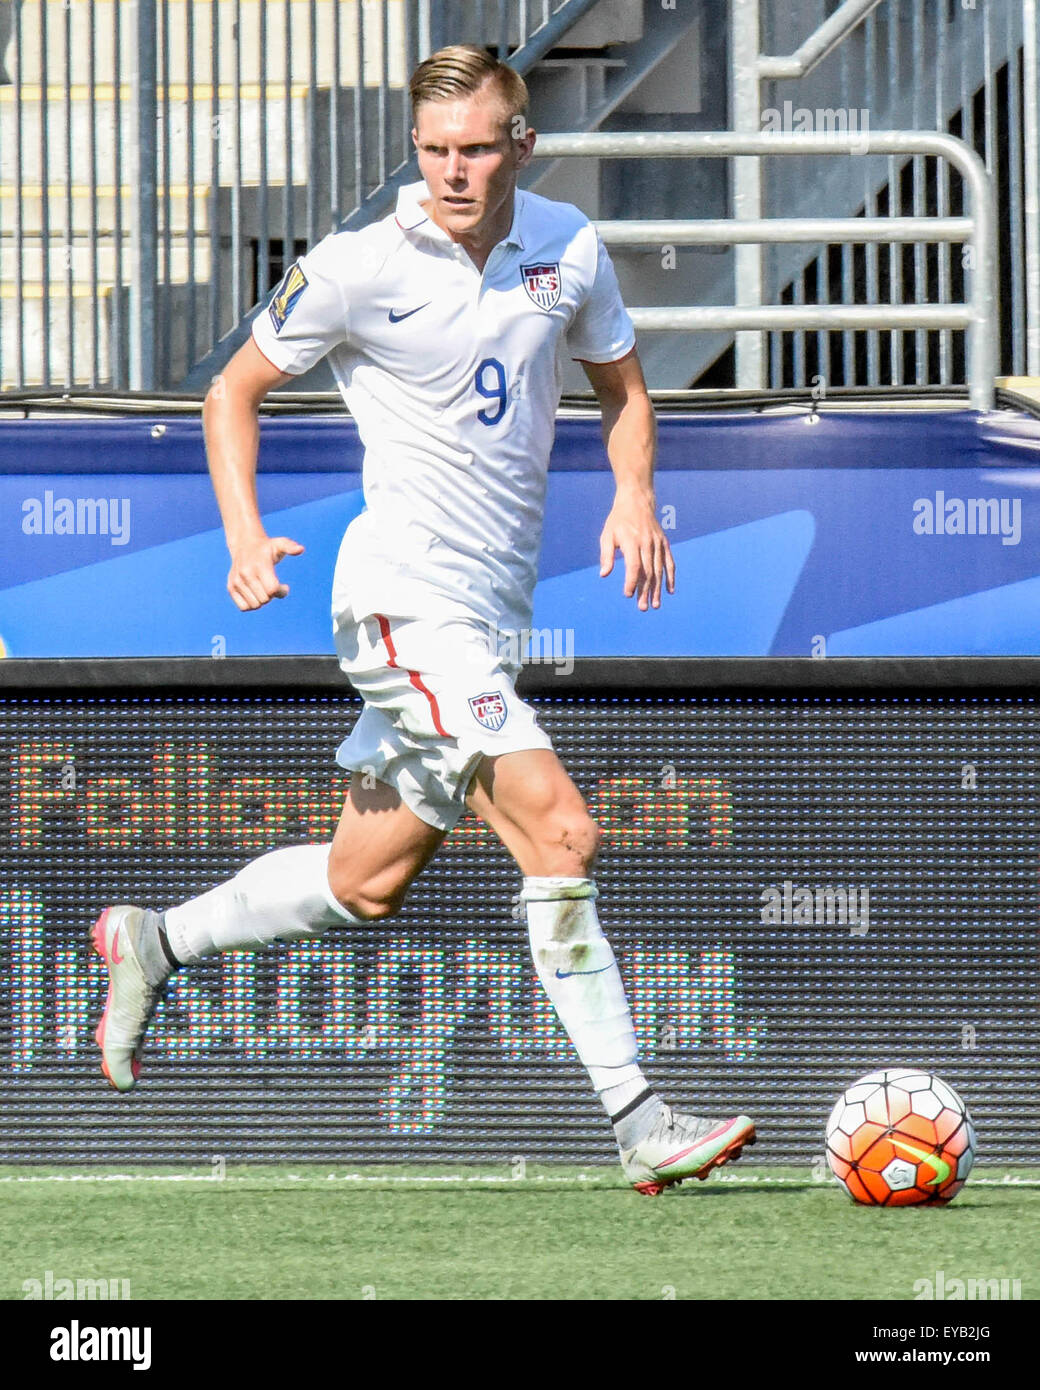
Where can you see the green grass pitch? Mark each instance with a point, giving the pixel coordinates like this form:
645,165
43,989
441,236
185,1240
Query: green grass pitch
483,1232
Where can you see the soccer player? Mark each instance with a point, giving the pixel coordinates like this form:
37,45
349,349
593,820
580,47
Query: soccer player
445,325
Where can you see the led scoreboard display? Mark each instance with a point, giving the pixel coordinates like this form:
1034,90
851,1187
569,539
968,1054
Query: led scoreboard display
800,887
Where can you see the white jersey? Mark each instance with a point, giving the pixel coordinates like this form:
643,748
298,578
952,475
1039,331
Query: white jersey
454,378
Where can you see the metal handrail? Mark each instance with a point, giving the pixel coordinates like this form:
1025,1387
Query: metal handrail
819,44
978,317
723,231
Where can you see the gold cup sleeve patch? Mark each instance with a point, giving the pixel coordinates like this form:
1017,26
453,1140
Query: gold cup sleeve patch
293,285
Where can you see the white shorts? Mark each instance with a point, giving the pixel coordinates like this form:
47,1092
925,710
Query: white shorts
437,700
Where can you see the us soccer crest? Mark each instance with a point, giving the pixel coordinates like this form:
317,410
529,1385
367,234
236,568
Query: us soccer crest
289,291
489,709
542,283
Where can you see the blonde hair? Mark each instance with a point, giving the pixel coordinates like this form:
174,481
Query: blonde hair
462,69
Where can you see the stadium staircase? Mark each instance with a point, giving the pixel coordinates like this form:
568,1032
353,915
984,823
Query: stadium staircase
636,61
686,87
621,65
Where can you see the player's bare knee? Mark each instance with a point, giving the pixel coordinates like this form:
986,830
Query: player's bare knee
571,843
586,838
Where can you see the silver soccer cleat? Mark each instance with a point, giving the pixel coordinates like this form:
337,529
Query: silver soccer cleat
131,1000
683,1146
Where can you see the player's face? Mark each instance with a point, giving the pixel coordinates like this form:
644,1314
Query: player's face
469,157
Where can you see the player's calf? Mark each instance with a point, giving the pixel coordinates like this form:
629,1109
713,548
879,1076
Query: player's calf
282,896
577,968
367,906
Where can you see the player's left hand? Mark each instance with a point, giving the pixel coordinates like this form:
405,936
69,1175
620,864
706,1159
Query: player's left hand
633,529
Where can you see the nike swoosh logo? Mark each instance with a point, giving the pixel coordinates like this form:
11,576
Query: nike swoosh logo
566,974
395,317
942,1168
675,1158
117,959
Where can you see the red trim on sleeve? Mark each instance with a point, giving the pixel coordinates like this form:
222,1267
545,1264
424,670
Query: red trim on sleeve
413,676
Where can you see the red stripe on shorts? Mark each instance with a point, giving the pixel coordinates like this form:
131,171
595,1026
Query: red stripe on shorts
413,676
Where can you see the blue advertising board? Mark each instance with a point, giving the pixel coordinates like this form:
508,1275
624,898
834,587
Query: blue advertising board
874,532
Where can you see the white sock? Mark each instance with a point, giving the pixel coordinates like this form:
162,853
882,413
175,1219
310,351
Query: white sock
576,966
282,896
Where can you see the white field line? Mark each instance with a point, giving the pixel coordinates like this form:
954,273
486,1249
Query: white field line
735,1179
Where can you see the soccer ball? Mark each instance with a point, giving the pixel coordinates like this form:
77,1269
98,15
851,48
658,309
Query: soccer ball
901,1137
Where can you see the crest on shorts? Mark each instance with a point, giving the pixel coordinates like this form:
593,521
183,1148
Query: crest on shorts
542,283
489,709
289,291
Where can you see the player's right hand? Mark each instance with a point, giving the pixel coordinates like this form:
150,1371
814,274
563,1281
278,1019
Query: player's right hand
252,581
